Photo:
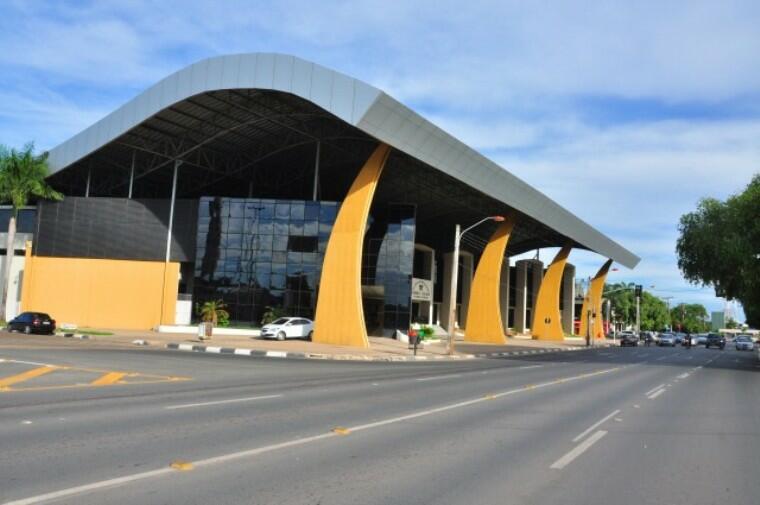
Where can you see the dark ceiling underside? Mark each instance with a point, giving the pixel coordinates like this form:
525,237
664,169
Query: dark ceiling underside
241,143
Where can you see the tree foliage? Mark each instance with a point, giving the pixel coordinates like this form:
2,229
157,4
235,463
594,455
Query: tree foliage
689,317
22,177
719,245
653,312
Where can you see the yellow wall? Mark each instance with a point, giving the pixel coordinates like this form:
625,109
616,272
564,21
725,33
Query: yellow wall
101,293
484,323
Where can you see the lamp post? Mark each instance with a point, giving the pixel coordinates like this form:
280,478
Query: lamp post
455,274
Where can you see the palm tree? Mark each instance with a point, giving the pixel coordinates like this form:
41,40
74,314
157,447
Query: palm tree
212,311
22,177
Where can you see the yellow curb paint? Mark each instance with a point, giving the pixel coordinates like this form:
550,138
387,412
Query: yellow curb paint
341,431
108,379
25,376
181,465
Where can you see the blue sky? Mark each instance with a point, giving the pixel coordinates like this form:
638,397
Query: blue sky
624,112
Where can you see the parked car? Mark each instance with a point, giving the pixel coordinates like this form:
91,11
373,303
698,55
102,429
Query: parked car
715,340
743,343
701,339
629,339
32,322
679,337
667,339
288,327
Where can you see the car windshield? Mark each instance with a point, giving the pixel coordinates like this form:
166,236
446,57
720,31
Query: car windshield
281,320
742,339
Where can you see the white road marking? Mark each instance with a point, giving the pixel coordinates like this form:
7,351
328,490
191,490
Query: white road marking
439,377
36,363
529,366
218,402
683,375
596,425
654,389
660,359
578,450
656,394
26,422
300,441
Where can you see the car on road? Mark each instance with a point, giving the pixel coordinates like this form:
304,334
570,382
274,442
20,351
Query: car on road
715,340
629,339
32,322
743,343
667,340
288,327
700,339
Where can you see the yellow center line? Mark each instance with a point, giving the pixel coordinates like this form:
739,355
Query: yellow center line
25,376
109,378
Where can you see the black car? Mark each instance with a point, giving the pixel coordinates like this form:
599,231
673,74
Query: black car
32,322
715,340
629,339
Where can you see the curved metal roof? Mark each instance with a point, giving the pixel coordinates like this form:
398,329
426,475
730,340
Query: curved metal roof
357,103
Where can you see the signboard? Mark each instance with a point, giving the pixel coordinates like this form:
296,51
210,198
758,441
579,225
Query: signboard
422,290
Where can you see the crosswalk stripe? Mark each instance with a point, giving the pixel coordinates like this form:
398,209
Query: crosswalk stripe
25,376
109,378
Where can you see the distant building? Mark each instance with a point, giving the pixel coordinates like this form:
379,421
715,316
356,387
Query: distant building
717,320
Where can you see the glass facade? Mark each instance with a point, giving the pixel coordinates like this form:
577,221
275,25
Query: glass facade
387,269
259,253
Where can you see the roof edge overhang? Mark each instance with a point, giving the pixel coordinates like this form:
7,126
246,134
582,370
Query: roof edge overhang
357,103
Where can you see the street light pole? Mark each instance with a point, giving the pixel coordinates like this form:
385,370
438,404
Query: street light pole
455,275
453,293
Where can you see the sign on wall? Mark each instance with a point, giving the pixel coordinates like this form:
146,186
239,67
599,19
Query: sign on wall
422,290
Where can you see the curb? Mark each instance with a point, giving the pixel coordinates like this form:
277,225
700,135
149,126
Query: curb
356,357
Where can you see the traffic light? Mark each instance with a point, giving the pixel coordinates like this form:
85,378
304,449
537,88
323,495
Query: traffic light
637,291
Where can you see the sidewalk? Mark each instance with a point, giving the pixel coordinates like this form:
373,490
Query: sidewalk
381,348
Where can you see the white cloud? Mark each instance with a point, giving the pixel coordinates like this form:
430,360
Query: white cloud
508,77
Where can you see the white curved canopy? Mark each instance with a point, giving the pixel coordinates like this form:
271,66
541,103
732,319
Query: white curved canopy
357,103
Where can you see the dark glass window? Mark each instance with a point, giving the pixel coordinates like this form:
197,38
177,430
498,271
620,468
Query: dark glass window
302,244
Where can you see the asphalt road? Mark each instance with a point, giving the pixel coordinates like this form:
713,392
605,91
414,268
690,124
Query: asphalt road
609,426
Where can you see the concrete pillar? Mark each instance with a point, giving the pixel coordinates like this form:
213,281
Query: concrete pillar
537,272
568,299
504,294
526,293
464,280
521,295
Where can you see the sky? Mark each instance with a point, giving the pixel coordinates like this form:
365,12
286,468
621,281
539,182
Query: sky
626,113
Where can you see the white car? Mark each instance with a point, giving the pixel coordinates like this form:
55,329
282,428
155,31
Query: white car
744,343
288,327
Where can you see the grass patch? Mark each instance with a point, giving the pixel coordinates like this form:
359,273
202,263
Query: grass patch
90,331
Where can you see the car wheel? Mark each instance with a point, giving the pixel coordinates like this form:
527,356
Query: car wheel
27,329
311,334
281,335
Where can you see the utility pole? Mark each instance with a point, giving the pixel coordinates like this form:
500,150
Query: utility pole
638,315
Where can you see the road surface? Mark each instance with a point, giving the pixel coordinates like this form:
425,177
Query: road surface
606,426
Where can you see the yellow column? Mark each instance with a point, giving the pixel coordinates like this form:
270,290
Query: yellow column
484,323
339,318
547,319
593,301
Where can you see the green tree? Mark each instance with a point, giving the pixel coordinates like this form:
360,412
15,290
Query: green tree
653,312
22,178
719,245
689,317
